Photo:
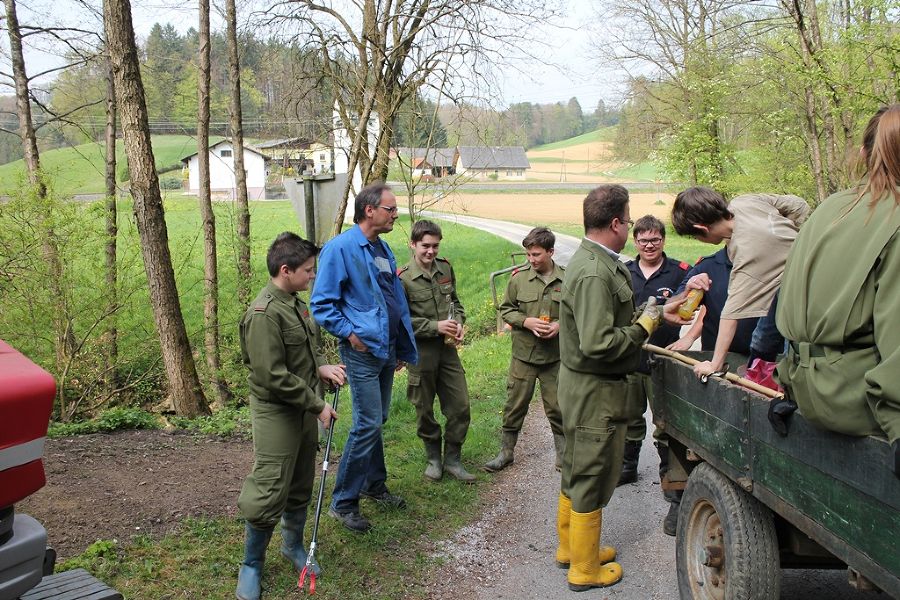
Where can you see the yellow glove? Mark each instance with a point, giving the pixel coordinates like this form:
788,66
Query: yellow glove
652,317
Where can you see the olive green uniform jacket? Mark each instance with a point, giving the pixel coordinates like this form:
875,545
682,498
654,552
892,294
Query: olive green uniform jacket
839,307
278,345
439,370
599,349
533,358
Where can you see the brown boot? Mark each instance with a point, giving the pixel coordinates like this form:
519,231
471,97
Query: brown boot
605,554
505,457
586,571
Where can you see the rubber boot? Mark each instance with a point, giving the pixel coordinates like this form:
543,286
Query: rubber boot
433,456
559,444
605,554
673,497
453,466
292,524
249,584
505,457
586,571
630,462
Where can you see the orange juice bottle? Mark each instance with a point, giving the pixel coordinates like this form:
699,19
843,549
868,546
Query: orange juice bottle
691,303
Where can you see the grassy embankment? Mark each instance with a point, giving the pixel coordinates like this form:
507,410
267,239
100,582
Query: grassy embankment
80,169
201,560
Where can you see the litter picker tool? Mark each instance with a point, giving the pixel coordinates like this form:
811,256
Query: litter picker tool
312,567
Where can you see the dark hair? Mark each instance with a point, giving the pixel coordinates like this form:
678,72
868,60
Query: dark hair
539,236
603,204
368,196
649,223
289,249
425,227
698,206
881,145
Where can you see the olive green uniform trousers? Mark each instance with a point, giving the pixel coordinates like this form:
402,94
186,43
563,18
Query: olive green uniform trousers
285,440
520,384
439,372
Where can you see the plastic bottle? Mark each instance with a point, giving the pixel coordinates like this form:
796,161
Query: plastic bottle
691,303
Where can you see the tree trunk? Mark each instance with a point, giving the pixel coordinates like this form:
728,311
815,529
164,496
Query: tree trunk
112,348
64,336
210,264
240,174
181,372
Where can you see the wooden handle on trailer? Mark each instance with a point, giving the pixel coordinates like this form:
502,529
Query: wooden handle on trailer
769,393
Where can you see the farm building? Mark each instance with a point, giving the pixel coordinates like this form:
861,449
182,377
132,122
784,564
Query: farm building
221,171
492,162
428,162
287,152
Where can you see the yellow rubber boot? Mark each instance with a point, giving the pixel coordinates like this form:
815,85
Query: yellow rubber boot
606,553
586,571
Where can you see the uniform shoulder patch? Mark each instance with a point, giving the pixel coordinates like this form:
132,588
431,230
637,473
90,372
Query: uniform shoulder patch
699,260
684,266
442,259
401,270
261,304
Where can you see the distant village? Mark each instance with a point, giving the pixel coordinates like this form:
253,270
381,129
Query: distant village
295,156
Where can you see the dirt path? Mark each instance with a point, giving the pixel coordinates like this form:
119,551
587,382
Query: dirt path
116,486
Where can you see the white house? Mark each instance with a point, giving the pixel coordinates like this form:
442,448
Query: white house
221,171
342,145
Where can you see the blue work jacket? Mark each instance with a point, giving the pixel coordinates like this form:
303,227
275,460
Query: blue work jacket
346,297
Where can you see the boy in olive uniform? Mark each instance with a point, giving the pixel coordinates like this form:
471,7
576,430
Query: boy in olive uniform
278,345
437,321
531,307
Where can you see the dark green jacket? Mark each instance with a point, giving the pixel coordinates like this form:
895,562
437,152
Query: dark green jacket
528,296
430,296
278,345
596,334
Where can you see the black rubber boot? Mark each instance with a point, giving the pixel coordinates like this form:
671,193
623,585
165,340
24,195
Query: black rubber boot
630,462
292,524
505,457
249,585
433,457
670,522
453,465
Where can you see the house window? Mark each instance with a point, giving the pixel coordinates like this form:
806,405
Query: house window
225,153
509,173
322,157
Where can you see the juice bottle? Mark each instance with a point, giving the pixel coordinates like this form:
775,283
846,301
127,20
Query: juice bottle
691,303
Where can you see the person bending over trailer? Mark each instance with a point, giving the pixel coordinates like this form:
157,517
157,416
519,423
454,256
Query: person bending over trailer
759,229
840,300
278,345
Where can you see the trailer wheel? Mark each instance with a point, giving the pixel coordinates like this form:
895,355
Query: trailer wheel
726,548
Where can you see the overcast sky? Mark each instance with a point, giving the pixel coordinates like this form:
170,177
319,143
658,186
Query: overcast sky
572,71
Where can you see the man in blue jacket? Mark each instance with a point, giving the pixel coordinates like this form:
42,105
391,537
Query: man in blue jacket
359,299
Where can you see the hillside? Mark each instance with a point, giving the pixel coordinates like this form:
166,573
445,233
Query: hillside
80,169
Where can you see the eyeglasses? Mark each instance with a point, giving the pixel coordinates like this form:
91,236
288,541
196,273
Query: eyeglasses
390,209
628,223
649,242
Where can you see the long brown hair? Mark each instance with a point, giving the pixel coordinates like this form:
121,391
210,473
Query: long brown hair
881,147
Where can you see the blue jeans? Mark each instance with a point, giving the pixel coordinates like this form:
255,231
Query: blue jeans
767,342
362,466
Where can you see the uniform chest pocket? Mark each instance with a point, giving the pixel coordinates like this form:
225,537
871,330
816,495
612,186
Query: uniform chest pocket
446,288
625,295
421,295
527,296
294,336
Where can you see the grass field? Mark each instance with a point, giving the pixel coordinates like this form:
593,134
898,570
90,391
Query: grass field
81,169
200,560
605,134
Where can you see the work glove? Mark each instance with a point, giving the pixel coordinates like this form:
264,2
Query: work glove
780,411
651,317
